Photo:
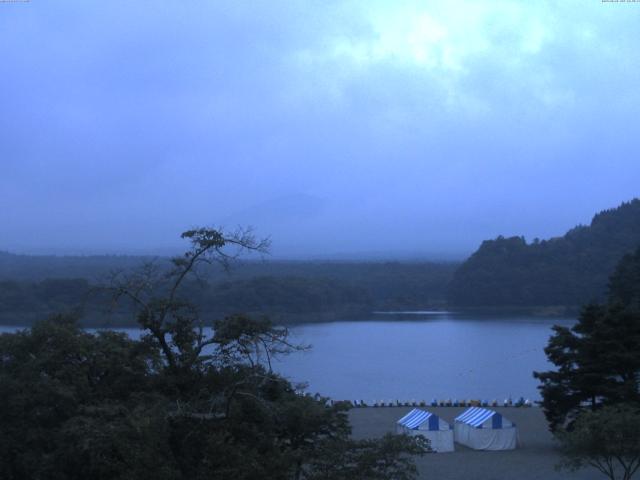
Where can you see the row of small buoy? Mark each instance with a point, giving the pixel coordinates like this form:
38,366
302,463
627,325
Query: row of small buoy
508,402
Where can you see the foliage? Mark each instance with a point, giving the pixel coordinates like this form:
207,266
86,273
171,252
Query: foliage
286,294
179,403
57,381
597,360
607,439
286,290
382,459
624,285
570,270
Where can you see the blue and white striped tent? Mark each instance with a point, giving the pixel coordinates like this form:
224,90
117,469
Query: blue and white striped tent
484,429
429,425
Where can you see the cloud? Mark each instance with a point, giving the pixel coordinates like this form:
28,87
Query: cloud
474,58
400,115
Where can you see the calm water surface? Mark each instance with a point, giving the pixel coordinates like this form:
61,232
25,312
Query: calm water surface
419,356
437,357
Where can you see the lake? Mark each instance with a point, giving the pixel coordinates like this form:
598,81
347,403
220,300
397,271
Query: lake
420,356
431,356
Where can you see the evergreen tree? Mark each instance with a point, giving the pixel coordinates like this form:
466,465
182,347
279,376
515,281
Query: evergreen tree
598,359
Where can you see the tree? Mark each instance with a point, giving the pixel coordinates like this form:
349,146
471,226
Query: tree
385,458
607,439
173,324
625,282
597,360
67,396
183,402
563,271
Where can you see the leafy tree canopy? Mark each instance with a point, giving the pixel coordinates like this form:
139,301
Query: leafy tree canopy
180,403
607,439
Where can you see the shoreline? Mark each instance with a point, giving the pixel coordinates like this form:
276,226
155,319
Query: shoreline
521,402
99,319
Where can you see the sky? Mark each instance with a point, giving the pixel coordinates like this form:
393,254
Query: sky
341,129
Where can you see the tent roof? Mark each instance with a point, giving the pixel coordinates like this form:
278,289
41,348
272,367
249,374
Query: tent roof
415,418
475,416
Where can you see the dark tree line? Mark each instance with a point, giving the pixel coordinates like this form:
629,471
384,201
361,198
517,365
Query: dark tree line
571,270
265,295
288,291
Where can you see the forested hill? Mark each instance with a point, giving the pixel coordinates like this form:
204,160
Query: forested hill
569,270
32,288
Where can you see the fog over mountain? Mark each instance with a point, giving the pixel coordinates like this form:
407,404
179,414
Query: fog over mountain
341,129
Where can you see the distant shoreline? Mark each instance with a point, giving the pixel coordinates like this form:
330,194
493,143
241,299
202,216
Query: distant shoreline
127,320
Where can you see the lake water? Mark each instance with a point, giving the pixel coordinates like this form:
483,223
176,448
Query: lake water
419,355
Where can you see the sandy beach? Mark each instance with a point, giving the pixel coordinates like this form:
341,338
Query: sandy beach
534,459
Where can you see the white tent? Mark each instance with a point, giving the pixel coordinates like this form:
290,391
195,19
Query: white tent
429,425
483,429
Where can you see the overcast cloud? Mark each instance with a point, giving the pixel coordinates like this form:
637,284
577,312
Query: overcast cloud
394,128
